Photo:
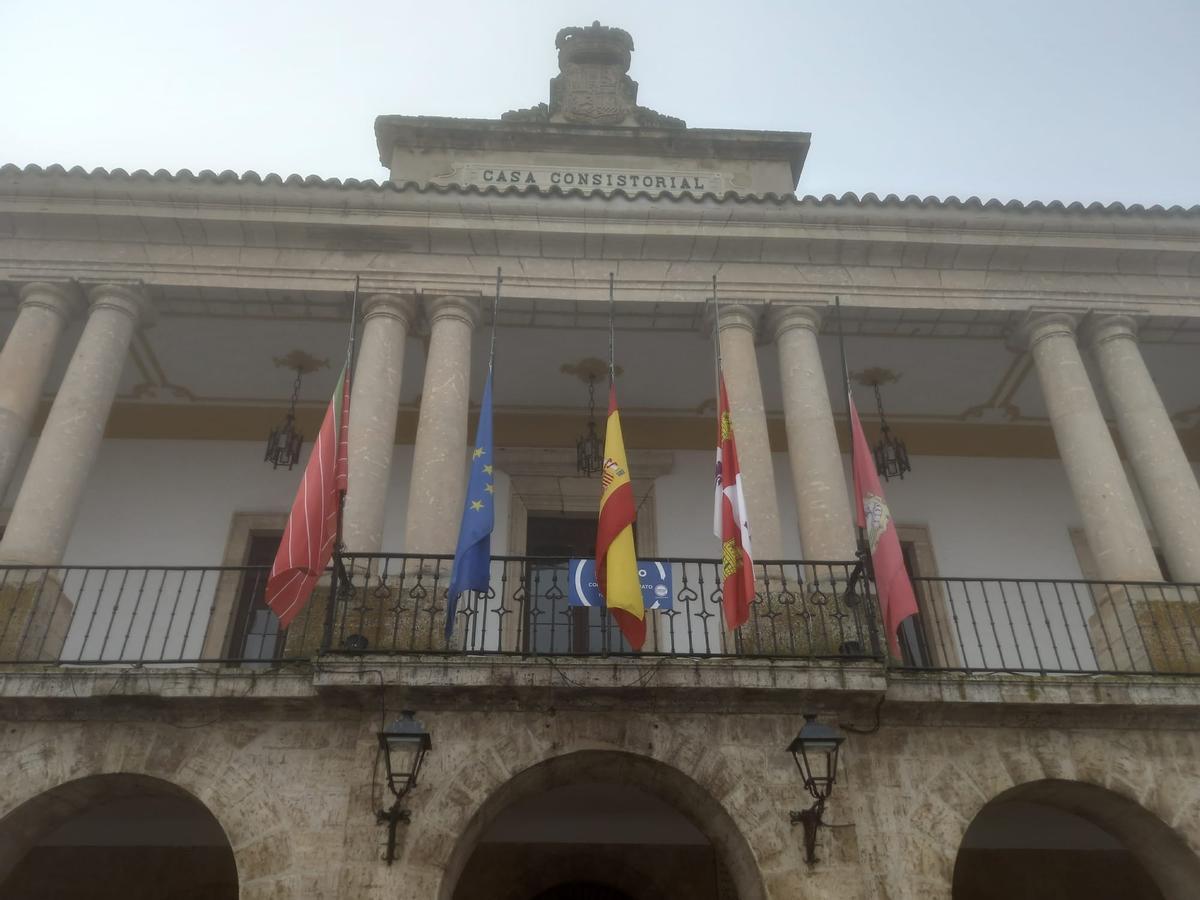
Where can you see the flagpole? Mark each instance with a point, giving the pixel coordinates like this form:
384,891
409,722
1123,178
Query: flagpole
837,303
861,538
495,312
612,311
351,347
717,335
339,568
350,350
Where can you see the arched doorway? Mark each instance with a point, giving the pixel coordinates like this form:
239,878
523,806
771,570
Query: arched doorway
582,890
601,825
1068,840
119,836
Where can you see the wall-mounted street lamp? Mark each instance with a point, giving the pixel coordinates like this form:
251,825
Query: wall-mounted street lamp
403,744
815,750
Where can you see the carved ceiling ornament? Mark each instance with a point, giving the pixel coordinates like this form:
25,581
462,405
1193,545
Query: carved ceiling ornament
589,368
593,86
300,361
874,377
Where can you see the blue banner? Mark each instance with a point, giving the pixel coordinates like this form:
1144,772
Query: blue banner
654,576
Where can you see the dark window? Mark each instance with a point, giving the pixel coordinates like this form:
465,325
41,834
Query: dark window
551,624
914,649
256,634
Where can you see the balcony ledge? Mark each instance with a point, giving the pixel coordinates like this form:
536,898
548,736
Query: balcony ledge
615,683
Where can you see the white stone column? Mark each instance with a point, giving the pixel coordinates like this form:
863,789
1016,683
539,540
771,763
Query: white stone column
439,470
48,501
25,361
737,328
818,476
1159,464
374,404
1111,518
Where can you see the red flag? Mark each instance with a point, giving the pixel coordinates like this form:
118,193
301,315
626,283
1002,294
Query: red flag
896,597
311,530
731,522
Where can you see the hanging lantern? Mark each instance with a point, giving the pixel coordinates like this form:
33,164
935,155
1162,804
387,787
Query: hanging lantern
284,441
589,449
891,456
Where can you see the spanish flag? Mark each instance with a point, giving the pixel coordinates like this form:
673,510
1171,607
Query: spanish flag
616,556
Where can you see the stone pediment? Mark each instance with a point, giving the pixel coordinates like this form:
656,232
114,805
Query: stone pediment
592,136
593,86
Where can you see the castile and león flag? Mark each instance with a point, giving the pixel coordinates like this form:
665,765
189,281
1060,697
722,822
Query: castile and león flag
731,521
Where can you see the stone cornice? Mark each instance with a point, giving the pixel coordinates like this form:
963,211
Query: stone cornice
248,196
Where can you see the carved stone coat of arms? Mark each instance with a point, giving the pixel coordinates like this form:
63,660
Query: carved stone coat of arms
594,94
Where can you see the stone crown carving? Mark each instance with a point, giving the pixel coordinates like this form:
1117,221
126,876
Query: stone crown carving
593,86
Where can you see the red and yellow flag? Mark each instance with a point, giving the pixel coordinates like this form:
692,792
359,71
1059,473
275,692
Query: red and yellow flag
616,556
311,529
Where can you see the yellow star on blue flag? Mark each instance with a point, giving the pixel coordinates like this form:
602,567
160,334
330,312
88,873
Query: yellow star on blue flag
473,557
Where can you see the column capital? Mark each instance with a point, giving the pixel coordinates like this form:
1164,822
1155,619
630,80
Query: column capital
783,317
402,307
63,298
127,298
452,306
1040,324
1105,327
740,315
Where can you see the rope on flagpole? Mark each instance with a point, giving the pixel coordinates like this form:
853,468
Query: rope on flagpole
495,313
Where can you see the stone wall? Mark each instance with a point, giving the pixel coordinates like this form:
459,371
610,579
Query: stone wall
294,781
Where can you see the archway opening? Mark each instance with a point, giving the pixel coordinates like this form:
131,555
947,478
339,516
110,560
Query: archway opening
115,836
601,825
1071,841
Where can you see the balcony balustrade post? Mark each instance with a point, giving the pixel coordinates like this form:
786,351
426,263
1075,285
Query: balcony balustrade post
374,405
25,362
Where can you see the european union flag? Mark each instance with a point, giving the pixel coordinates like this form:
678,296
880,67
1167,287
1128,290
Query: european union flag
473,557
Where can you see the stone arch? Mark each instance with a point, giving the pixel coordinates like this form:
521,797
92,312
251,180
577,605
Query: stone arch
205,767
23,826
1161,851
659,779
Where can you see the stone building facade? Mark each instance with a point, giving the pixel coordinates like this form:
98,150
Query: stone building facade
1040,737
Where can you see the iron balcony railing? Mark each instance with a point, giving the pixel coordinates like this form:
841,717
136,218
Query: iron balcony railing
396,604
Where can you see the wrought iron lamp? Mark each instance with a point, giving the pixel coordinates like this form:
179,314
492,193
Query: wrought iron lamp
815,750
284,442
891,456
589,449
403,744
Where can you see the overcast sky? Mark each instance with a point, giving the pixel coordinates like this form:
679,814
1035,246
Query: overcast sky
1028,99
